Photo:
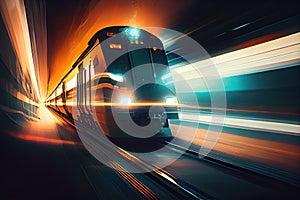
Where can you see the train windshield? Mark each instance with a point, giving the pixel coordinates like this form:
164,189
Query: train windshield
119,65
144,56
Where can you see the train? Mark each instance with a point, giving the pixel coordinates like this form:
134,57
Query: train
123,72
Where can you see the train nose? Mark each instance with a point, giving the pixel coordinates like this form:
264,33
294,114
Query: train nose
152,93
144,115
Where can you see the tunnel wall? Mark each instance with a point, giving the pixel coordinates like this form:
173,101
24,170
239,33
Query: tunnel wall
17,98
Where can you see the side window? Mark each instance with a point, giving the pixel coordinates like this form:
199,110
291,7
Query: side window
96,61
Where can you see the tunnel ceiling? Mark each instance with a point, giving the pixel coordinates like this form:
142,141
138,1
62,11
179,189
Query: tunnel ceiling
71,23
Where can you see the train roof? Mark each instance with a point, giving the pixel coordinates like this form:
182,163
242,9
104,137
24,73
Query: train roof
102,34
99,35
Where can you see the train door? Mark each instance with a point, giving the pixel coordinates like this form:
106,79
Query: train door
80,89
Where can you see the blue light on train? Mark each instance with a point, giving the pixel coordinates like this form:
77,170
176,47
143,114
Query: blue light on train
133,33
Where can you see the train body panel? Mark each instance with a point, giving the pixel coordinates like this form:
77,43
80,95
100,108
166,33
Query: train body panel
116,76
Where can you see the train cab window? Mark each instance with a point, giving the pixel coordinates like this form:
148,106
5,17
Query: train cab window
159,56
120,65
140,57
162,71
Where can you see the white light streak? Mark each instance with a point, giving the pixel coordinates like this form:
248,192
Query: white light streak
71,83
14,15
275,54
293,129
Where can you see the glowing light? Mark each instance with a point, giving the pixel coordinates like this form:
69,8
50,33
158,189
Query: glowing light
125,100
116,77
164,77
134,104
133,181
71,83
59,91
166,177
115,46
14,15
39,139
285,128
239,27
171,100
110,34
132,32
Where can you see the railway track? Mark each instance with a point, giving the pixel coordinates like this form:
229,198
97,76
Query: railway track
173,184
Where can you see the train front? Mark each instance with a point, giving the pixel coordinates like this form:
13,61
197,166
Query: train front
143,98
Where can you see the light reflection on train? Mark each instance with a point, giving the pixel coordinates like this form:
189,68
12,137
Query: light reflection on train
122,69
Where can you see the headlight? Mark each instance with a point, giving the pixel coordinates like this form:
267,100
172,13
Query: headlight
171,100
125,100
116,77
132,33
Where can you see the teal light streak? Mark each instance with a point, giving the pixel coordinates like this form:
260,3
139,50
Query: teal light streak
239,27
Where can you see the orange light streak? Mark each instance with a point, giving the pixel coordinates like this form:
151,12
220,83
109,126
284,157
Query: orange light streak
139,186
181,106
39,139
135,104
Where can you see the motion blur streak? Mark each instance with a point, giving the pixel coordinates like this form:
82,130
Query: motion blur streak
9,110
238,110
166,176
47,118
275,54
172,40
43,139
283,128
135,104
271,153
134,182
14,15
43,130
121,104
36,16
